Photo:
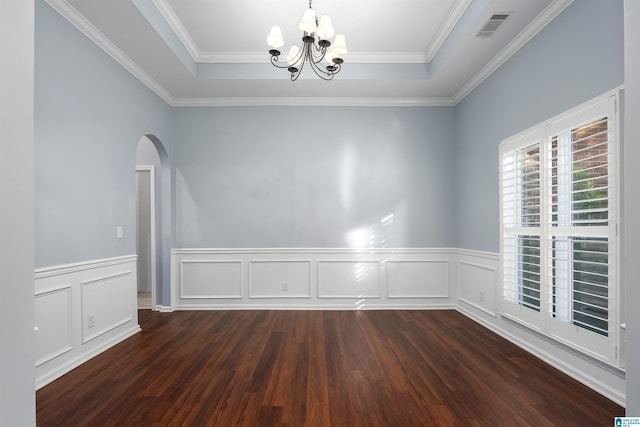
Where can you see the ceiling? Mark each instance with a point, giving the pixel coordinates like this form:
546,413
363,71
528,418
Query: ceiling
214,52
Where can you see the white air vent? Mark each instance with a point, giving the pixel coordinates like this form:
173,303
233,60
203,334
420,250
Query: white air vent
492,25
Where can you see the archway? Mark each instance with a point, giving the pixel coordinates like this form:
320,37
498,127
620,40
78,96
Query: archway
153,231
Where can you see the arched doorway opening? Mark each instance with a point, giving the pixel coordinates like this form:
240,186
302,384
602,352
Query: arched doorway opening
152,223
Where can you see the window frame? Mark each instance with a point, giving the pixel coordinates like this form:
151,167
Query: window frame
604,348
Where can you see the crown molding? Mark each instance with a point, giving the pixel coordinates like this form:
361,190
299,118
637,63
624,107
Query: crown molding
548,15
178,28
447,27
313,102
81,23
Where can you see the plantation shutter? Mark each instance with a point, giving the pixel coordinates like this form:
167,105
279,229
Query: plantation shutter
521,185
558,225
581,235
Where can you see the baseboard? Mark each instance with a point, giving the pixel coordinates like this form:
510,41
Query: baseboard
319,307
53,375
477,307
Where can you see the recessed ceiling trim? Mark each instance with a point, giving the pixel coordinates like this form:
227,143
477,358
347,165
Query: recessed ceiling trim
541,21
352,57
313,102
198,56
386,58
81,23
176,25
232,57
447,27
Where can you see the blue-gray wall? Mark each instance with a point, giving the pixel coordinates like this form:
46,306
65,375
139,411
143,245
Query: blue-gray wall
308,177
575,58
254,177
90,114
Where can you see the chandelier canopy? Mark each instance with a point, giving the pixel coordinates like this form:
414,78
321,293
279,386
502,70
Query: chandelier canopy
314,49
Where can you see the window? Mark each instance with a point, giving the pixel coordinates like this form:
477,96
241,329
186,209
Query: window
558,186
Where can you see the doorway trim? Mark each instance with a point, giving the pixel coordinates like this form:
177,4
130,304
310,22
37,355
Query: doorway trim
152,204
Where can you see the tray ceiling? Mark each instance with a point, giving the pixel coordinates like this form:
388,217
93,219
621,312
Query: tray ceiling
214,52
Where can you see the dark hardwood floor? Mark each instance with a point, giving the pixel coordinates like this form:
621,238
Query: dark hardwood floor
318,368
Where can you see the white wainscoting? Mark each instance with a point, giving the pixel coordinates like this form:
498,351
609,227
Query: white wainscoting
210,279
479,291
280,279
81,310
418,278
52,309
350,279
477,274
312,279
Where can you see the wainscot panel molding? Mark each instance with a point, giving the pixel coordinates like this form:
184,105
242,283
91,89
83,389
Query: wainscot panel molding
210,279
418,279
81,310
478,280
348,279
316,279
280,279
53,320
99,318
478,284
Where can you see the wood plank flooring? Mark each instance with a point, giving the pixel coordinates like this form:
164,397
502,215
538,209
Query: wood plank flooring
317,368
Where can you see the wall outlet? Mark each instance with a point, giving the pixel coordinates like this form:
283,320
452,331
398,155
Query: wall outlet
119,232
91,320
481,296
285,286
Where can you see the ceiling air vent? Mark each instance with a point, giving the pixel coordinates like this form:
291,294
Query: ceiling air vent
492,25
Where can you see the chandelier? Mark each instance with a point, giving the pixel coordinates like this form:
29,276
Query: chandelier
314,49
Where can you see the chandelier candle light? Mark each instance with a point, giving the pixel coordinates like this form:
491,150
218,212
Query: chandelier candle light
315,47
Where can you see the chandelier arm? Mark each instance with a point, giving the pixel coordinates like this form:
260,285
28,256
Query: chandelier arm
323,74
296,74
319,53
274,61
302,59
297,59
